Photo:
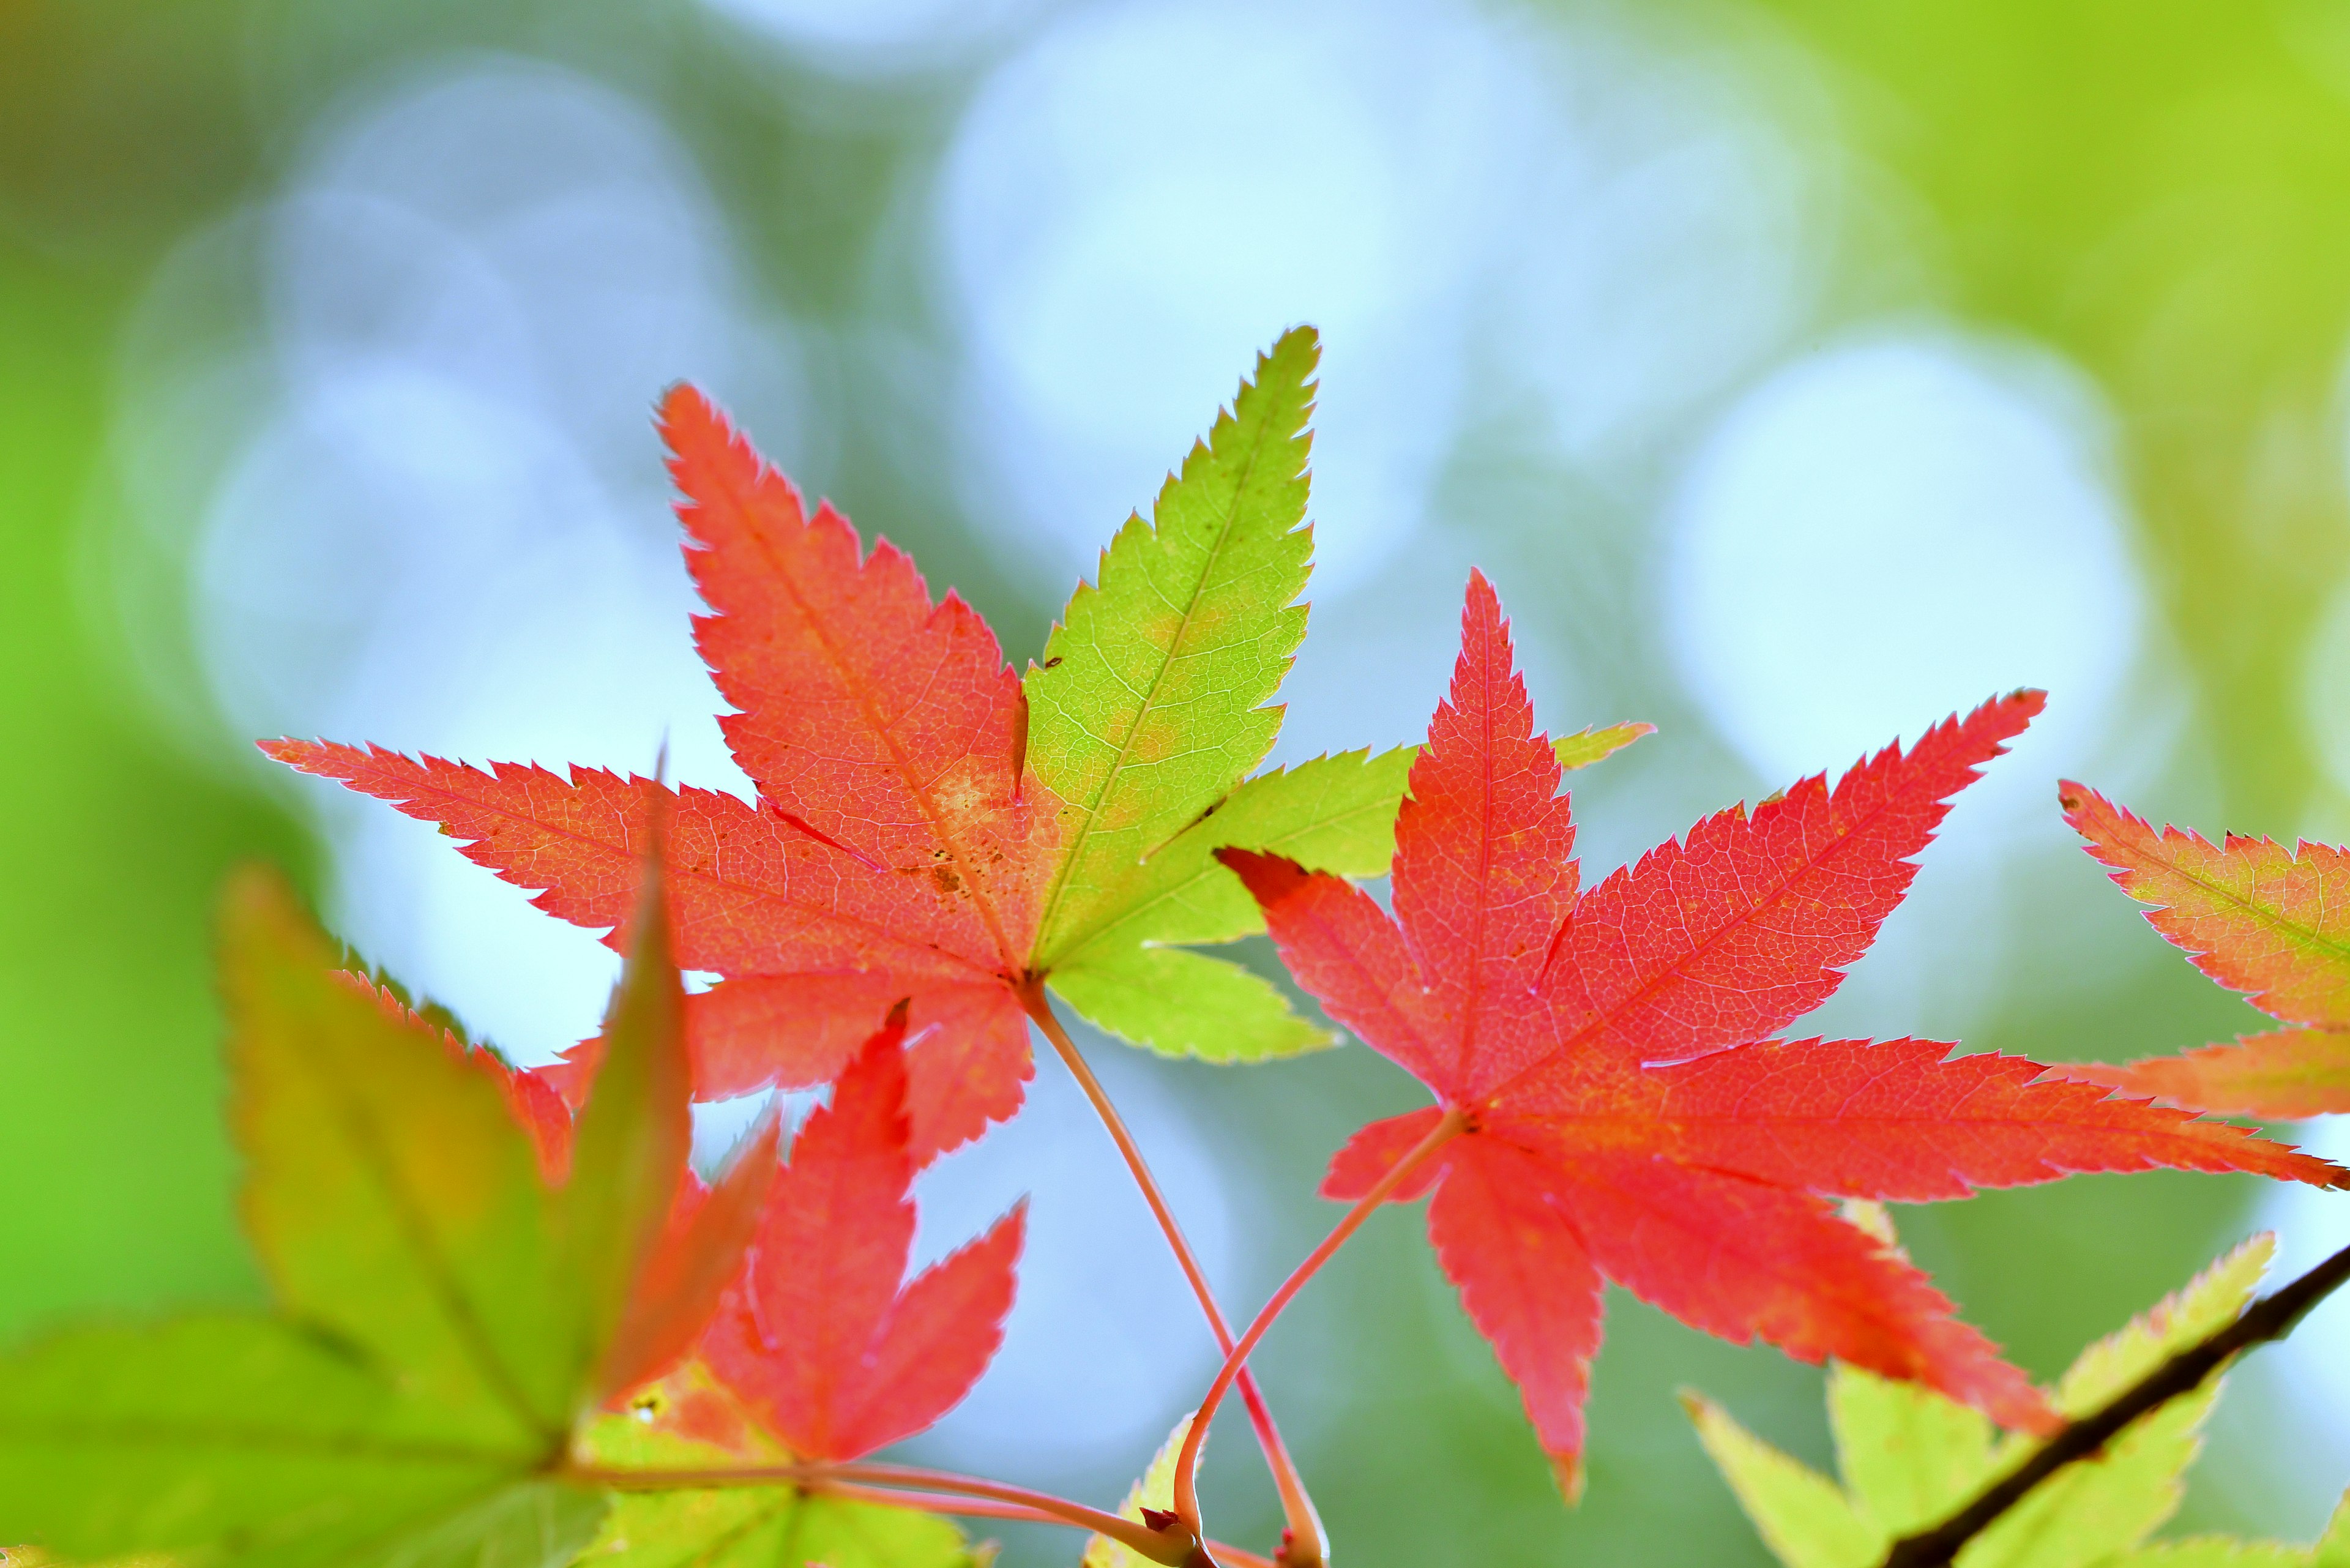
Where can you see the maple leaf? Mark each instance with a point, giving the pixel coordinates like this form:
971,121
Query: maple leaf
1603,1066
2259,919
457,1288
1911,1458
927,826
817,1352
818,1336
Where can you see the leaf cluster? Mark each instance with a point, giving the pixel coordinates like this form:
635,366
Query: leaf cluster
512,1326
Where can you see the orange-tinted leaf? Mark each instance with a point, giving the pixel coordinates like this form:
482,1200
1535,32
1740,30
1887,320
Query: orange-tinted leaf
752,895
2258,917
2284,1075
904,836
912,812
1609,1059
535,1101
817,1334
895,852
886,723
2272,922
744,884
945,1327
698,1254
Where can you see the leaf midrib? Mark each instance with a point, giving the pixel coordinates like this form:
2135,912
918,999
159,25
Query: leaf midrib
1225,528
1208,869
2274,919
820,911
964,867
263,1440
1473,994
1674,970
360,1130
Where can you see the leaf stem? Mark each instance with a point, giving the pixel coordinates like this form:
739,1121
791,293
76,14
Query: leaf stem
2269,1318
1305,1545
910,1484
1452,1123
983,1508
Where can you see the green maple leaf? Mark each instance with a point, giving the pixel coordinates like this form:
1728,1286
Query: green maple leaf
1151,710
1152,707
1911,1458
449,1311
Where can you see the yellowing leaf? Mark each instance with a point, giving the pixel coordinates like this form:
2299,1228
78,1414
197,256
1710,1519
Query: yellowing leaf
1156,1490
1586,747
1334,814
446,1298
1151,702
2111,1503
1905,1451
1805,1518
1911,1458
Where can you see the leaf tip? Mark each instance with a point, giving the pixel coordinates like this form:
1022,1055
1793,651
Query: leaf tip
1268,877
681,401
1566,1473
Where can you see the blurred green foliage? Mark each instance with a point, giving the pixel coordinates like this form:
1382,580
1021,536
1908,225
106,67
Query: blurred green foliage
2159,188
109,1085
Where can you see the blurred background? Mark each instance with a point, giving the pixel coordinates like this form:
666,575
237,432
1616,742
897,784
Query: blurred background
1802,370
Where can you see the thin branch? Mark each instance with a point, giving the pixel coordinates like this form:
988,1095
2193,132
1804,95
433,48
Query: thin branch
1187,1463
1305,1545
2269,1318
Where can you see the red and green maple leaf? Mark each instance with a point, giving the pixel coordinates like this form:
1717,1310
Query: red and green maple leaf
461,1275
1603,1063
822,1337
930,826
820,1352
2268,921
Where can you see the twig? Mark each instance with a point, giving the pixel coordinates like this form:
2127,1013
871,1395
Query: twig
1187,1496
2269,1318
1305,1545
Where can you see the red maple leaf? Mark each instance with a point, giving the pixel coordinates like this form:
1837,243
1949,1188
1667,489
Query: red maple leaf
816,1336
1602,1063
898,840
